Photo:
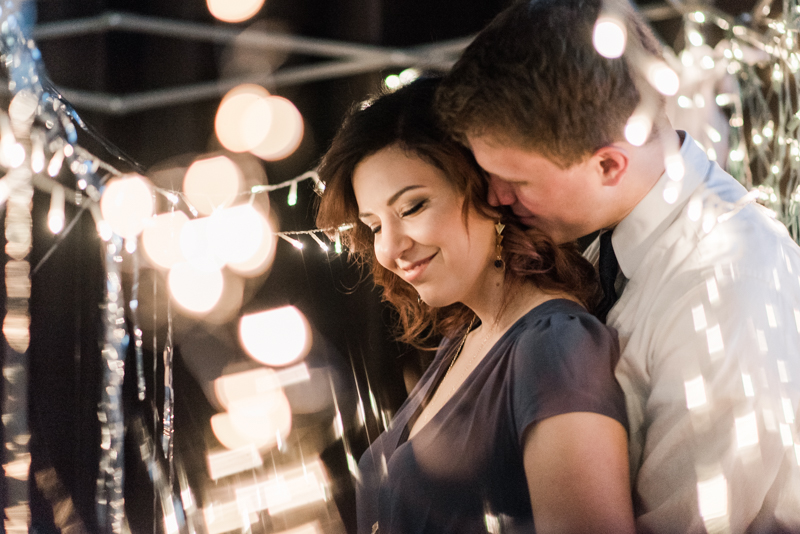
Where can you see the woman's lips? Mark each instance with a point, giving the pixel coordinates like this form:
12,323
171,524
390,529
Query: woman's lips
415,270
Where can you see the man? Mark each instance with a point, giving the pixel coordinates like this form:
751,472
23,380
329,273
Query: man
708,316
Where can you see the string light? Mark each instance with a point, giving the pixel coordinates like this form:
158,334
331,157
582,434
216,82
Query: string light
56,216
292,198
337,245
54,167
319,241
294,242
637,129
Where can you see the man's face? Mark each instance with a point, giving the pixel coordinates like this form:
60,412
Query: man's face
563,203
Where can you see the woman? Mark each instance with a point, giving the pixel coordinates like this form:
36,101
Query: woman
519,420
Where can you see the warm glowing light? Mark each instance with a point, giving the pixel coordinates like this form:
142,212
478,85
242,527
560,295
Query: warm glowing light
195,245
747,384
392,81
212,183
259,421
663,78
675,167
699,317
275,337
637,130
685,102
21,110
712,497
714,338
14,154
194,290
287,490
408,76
746,430
234,10
225,463
161,238
285,131
262,259
609,37
127,203
242,119
240,386
695,392
235,234
695,37
736,155
56,217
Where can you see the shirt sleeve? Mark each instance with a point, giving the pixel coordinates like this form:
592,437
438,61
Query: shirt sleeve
566,364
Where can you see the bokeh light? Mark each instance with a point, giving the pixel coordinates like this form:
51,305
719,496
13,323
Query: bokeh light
609,37
127,204
663,78
195,245
235,234
234,10
275,337
243,118
285,131
259,262
161,238
194,290
637,130
212,183
260,420
239,386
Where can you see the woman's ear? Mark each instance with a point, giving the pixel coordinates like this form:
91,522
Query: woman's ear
613,164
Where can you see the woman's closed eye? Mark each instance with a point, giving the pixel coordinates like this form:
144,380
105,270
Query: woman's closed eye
414,208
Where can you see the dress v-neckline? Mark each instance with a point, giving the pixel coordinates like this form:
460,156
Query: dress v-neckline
441,372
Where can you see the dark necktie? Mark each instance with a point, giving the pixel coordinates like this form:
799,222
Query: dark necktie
609,267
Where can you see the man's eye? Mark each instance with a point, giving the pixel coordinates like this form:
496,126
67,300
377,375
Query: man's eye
414,209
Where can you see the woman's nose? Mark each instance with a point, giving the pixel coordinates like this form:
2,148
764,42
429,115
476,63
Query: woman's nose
390,244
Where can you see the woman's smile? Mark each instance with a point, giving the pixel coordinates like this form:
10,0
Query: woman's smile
413,271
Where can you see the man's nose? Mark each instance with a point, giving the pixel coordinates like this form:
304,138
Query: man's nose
501,193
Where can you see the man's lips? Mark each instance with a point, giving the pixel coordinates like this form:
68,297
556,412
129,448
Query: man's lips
414,270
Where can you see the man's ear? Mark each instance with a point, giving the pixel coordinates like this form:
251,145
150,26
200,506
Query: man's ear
613,164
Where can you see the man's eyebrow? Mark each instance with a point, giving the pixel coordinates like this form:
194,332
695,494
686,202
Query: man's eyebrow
394,198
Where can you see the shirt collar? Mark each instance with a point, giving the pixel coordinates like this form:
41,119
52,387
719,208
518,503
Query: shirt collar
637,232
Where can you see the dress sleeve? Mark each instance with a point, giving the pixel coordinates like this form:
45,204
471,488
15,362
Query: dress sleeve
563,364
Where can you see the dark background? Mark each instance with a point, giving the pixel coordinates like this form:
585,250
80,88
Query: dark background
351,327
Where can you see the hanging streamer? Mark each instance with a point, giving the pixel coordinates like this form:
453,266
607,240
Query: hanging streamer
169,399
16,329
137,330
110,501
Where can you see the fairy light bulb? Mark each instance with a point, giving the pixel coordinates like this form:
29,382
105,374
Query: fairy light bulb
234,10
392,82
675,167
319,242
275,337
609,37
292,198
127,203
713,134
37,152
54,167
637,129
337,245
695,37
56,216
262,259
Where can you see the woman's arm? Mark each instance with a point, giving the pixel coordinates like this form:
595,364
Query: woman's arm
577,470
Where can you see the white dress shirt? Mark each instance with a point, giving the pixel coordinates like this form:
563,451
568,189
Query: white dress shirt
709,327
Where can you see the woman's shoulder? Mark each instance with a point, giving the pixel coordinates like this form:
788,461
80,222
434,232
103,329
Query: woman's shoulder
563,326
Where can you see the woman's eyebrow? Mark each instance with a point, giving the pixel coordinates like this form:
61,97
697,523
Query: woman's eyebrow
394,198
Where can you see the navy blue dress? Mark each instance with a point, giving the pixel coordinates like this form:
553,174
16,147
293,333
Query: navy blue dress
464,468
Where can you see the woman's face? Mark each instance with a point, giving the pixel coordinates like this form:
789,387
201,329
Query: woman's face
420,232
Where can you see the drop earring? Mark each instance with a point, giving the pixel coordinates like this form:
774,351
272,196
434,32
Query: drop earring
498,262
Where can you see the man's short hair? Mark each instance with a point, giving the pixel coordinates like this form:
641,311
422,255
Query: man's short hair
533,78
